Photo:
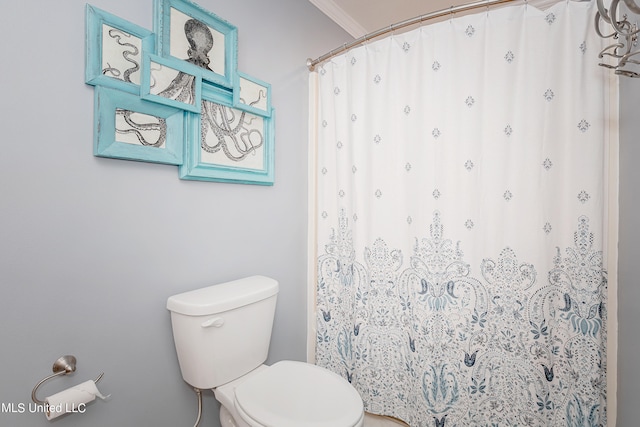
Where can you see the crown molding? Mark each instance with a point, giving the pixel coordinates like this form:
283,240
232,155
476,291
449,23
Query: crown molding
340,17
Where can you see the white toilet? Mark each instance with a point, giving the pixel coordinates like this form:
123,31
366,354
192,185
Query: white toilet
222,336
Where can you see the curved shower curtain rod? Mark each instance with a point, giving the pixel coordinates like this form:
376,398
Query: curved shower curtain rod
311,63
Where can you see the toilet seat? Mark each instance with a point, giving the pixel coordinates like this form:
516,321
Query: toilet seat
297,394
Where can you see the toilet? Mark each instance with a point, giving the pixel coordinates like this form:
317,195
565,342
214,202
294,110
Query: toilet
222,335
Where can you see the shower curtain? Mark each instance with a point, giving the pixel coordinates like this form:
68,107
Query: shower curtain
462,220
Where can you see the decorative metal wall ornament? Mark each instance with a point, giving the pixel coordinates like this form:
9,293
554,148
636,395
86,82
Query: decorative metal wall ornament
620,55
175,96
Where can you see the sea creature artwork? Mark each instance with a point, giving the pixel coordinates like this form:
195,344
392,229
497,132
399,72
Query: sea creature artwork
122,61
230,136
121,55
200,41
168,81
197,42
182,87
253,94
140,129
174,95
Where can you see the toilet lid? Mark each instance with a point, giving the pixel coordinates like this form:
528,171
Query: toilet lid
297,394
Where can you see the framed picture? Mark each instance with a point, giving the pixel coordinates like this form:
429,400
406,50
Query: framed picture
114,50
227,143
253,95
171,82
127,127
190,33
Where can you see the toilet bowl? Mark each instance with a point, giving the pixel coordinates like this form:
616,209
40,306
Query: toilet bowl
222,336
291,394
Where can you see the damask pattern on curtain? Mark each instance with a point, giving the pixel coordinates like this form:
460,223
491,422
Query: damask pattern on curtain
462,220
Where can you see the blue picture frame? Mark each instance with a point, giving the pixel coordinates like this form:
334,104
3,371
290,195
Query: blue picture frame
227,143
123,122
252,94
171,82
187,32
114,50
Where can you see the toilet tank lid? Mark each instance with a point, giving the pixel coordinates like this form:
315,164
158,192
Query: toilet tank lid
223,297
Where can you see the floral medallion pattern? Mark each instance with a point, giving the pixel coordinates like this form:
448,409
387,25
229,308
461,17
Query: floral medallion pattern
461,212
426,340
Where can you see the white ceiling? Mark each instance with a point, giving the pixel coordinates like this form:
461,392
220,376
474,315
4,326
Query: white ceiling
361,17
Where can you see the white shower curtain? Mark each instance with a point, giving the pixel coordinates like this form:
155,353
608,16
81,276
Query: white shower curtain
462,220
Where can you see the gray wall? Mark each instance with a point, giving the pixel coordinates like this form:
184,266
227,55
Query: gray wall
90,248
629,255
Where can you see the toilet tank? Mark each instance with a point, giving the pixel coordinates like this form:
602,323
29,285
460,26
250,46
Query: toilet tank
222,332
